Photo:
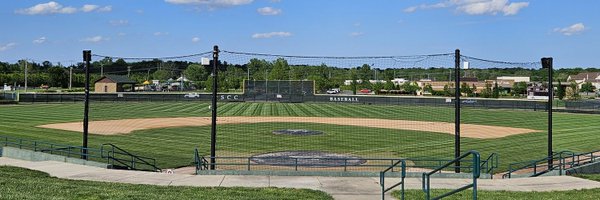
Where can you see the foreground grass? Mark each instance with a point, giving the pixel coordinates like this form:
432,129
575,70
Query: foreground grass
19,183
504,195
593,177
173,147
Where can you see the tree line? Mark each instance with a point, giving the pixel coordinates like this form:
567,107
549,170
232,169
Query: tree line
231,76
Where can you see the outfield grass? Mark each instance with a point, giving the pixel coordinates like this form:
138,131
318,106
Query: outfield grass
173,147
19,183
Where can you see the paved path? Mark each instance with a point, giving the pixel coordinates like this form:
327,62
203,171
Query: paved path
338,187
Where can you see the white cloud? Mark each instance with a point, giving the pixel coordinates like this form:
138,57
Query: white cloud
475,7
120,22
275,1
7,46
89,8
121,34
271,34
269,11
195,39
39,40
356,34
47,8
161,33
211,3
105,9
94,39
56,8
571,30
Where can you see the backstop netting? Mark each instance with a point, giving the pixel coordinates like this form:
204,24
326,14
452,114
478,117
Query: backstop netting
316,113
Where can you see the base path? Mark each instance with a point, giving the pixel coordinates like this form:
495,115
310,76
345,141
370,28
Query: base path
339,187
124,126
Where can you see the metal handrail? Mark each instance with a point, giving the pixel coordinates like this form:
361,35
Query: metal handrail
51,148
537,163
492,160
200,161
296,162
401,183
133,158
476,173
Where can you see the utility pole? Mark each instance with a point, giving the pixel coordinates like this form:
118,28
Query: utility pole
70,76
128,70
148,75
25,75
102,68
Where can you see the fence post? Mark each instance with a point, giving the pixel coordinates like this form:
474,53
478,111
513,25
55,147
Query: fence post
87,57
213,127
457,109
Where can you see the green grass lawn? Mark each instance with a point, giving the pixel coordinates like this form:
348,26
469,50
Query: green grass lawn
594,177
503,195
173,147
482,194
19,183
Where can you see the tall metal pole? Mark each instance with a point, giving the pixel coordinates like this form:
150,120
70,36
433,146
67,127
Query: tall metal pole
25,75
87,57
213,127
70,77
457,109
547,63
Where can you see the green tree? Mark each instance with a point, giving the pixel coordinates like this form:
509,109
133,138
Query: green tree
474,89
496,91
572,92
519,88
560,92
449,90
587,87
195,72
58,77
464,88
410,87
428,88
377,87
161,74
487,91
389,85
280,70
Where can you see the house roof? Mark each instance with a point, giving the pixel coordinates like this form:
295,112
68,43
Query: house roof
117,79
581,76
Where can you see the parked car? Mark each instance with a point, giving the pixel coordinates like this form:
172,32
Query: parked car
365,91
192,95
469,101
333,91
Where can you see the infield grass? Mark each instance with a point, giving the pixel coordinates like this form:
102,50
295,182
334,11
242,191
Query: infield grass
173,147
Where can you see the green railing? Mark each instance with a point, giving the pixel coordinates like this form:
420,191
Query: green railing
426,179
530,168
53,148
124,159
401,183
489,164
341,164
577,160
200,162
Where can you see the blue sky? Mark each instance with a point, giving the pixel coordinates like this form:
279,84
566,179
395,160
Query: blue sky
511,30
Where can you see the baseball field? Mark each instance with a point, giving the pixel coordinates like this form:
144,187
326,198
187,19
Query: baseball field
169,131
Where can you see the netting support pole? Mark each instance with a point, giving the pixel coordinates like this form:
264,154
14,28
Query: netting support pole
213,126
547,63
457,109
87,57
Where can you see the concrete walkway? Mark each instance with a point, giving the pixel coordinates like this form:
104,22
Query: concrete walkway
338,187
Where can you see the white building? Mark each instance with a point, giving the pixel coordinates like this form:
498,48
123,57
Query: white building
515,79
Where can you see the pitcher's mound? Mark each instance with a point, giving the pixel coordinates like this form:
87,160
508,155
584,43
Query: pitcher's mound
298,132
307,159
